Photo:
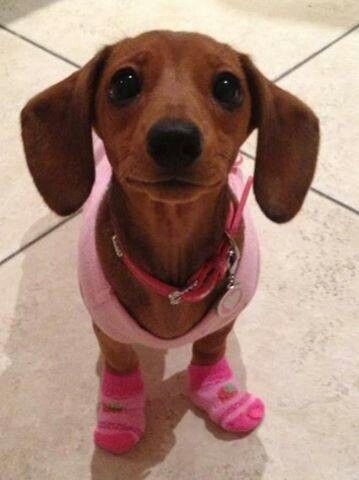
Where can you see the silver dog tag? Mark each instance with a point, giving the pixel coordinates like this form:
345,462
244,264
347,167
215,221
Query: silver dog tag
230,300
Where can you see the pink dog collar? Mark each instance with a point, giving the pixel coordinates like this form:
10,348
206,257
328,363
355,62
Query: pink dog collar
203,282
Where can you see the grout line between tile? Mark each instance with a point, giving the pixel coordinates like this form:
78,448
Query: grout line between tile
276,79
317,191
315,54
243,152
335,200
74,64
38,45
36,239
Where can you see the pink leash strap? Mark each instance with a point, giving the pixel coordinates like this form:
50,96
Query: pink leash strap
208,275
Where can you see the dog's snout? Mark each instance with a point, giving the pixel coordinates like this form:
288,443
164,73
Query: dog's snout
174,144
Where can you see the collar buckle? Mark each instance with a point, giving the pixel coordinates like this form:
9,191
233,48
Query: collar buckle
175,297
116,246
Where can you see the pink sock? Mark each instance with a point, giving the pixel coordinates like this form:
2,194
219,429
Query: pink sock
214,389
121,416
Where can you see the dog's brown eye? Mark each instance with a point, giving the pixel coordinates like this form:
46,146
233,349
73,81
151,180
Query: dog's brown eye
125,85
227,90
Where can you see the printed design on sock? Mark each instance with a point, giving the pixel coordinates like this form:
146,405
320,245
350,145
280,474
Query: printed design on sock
227,391
113,407
214,389
121,417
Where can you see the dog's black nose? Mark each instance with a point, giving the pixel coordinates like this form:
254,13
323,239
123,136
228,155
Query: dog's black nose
173,143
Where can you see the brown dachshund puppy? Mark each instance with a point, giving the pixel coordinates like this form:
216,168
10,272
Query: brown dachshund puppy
172,110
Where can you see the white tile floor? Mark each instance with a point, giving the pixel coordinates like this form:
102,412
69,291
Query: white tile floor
297,345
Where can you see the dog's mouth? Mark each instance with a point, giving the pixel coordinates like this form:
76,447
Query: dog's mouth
172,189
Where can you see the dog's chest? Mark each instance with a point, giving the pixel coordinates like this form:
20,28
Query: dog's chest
151,311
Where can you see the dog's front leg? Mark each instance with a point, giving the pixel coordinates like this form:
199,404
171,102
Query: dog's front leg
121,417
119,357
209,350
214,388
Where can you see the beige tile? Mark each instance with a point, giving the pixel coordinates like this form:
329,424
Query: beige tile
299,340
277,34
330,85
296,345
25,71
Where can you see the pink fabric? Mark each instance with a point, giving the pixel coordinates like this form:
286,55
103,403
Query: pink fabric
102,304
214,389
120,416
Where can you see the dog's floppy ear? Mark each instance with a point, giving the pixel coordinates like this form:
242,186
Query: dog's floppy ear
287,147
56,132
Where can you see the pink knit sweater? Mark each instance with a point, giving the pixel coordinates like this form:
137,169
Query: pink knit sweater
105,309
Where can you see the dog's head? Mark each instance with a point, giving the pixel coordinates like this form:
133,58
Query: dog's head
172,110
